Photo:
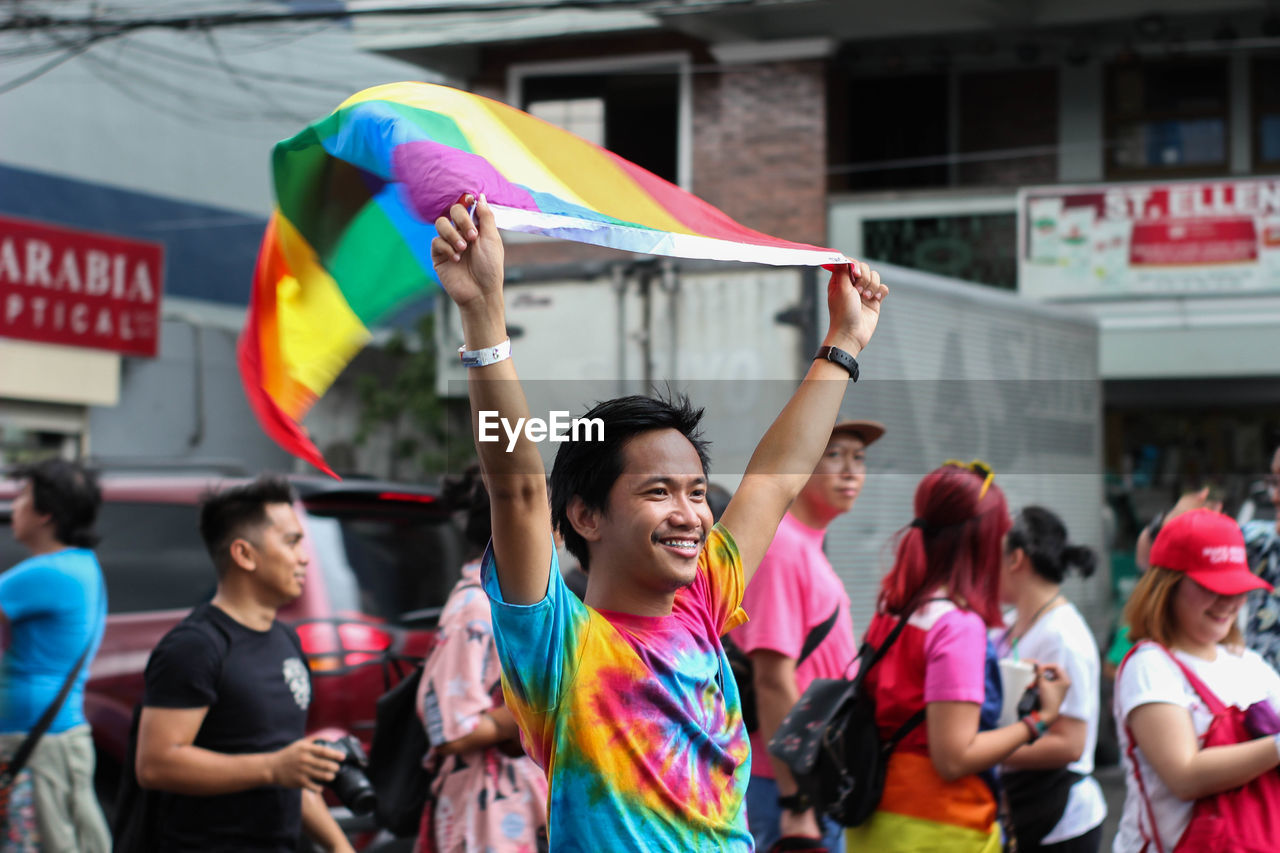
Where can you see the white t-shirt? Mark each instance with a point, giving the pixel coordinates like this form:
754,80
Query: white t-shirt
1061,636
1150,676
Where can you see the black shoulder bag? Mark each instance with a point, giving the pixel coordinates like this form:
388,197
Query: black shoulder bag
395,758
831,744
744,669
11,768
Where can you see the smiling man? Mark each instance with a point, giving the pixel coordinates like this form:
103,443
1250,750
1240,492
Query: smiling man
800,629
227,693
627,700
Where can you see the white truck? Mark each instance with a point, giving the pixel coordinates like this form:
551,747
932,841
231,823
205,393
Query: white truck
955,371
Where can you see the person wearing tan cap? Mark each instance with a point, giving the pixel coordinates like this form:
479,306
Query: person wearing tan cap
800,629
1198,709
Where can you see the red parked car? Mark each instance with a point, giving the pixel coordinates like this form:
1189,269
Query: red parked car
384,558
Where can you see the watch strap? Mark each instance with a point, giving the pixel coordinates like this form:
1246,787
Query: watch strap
795,803
840,357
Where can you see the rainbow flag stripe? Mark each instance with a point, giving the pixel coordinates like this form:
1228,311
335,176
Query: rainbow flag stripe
358,191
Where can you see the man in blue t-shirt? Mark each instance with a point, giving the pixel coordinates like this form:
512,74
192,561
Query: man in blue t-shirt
52,605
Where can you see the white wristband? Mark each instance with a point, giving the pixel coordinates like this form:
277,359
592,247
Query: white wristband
485,357
1276,739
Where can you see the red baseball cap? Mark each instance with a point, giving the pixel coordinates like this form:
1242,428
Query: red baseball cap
1209,547
866,431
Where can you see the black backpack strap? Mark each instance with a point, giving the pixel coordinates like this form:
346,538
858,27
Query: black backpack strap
871,655
28,746
903,730
815,637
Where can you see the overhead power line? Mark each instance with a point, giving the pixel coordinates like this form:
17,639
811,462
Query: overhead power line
208,20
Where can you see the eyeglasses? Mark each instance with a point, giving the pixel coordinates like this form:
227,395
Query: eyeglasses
978,467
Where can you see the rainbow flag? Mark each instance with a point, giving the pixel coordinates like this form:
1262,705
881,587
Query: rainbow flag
358,191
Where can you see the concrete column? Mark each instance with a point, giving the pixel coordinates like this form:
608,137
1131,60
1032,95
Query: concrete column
1082,155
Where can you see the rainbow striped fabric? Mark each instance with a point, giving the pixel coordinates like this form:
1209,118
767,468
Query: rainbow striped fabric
357,194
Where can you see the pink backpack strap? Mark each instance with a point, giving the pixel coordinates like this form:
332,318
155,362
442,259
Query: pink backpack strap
1131,751
1210,699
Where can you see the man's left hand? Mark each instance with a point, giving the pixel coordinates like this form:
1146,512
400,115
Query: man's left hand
854,295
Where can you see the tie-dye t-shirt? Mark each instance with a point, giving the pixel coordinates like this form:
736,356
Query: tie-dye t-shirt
636,720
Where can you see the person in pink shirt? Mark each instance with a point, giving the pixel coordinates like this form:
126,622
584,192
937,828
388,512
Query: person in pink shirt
931,688
796,602
487,795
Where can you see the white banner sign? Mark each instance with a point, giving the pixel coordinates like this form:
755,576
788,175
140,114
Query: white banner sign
1126,239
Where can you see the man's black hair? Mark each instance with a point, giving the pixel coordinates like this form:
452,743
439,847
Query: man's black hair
588,469
69,493
229,514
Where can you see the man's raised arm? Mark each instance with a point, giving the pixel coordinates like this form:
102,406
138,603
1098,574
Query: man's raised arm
468,258
792,446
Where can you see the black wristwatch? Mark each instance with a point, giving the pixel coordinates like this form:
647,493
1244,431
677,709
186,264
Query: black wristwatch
797,803
840,357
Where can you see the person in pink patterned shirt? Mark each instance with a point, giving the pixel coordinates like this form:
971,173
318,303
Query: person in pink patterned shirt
487,795
793,597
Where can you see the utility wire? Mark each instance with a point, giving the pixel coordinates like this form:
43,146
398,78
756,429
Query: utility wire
71,53
205,20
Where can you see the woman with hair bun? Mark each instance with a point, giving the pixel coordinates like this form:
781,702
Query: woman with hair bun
944,590
1054,802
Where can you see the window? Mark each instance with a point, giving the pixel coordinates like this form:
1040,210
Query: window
1166,118
152,557
966,128
580,116
1266,114
634,107
386,562
976,247
1008,124
918,108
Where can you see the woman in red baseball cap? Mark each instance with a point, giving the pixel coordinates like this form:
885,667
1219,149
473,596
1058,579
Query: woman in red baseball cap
1193,707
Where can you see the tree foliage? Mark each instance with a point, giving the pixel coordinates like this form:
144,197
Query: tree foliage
401,398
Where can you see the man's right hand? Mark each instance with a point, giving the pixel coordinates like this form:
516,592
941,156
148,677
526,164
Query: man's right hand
468,256
304,764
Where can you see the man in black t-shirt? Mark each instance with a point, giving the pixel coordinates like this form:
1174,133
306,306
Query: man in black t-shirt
227,691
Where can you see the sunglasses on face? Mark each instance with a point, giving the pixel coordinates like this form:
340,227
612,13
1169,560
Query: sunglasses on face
978,467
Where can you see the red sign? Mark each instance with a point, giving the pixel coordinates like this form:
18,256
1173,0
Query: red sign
79,288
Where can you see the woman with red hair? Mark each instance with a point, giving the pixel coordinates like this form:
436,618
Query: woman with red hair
945,586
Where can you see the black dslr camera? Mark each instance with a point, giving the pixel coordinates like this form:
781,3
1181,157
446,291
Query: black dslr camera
1030,700
352,786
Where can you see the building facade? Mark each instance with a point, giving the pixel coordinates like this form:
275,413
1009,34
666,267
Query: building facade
933,135
149,138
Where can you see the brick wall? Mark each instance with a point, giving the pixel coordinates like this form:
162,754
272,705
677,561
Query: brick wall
759,146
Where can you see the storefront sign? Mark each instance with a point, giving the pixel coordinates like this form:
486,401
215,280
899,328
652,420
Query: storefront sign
1125,239
79,288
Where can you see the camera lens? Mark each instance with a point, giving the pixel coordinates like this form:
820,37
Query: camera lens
354,790
352,787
